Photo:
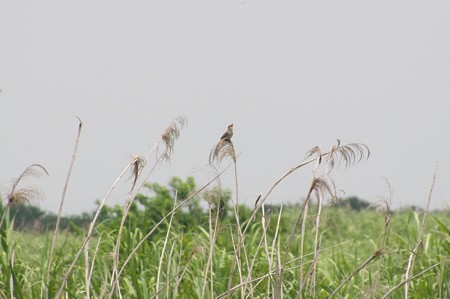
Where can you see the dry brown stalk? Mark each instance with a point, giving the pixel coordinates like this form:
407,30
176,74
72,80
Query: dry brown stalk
225,149
61,205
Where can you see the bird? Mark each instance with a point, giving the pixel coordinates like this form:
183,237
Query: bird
228,134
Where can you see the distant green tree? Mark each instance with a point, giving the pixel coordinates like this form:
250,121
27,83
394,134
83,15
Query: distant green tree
27,217
162,201
354,202
32,218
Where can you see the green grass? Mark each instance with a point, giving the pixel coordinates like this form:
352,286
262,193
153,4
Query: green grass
348,239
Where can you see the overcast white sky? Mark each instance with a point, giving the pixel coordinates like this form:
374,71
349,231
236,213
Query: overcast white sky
289,74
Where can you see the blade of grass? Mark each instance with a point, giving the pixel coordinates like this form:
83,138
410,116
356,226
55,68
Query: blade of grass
61,205
419,235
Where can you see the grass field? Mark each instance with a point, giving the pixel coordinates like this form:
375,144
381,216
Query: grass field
185,265
169,247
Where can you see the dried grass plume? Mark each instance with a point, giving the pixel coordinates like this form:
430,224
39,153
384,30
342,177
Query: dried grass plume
137,164
346,155
224,148
26,194
171,134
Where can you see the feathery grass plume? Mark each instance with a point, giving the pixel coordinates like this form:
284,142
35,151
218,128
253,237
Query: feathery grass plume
319,187
137,164
322,185
224,148
349,154
383,207
330,160
315,151
171,134
27,194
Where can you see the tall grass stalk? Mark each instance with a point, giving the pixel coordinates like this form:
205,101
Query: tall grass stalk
265,223
223,149
91,268
319,196
385,208
262,243
279,273
168,278
12,279
240,242
314,187
212,240
240,285
61,205
163,250
419,234
235,263
86,272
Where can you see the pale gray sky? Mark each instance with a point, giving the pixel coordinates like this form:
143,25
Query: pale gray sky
289,74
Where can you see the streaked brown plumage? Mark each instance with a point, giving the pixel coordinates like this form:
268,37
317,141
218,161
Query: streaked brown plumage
228,134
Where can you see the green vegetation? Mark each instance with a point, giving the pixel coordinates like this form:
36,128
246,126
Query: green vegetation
176,255
189,241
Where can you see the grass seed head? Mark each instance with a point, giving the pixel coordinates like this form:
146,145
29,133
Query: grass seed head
27,194
348,155
224,148
171,134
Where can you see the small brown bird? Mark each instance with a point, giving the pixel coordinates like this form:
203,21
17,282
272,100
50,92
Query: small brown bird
228,134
